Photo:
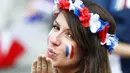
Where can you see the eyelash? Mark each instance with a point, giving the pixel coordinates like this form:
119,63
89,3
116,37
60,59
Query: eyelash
56,27
69,35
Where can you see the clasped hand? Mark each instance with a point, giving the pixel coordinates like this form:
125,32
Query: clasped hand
42,65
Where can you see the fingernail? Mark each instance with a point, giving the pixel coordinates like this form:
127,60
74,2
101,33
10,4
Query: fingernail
48,59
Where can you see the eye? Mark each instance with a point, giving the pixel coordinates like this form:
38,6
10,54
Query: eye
55,27
69,35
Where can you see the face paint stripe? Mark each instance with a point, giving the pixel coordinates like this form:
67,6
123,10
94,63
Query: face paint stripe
67,51
70,49
72,53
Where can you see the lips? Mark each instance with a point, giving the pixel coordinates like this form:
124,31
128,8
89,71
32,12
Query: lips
51,53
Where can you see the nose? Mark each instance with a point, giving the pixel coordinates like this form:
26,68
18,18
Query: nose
55,40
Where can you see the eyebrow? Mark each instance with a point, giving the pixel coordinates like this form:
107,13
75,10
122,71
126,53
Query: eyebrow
68,30
57,23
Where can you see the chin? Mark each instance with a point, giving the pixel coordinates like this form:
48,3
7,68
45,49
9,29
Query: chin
57,65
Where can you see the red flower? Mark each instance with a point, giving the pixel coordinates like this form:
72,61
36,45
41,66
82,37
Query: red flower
85,24
85,11
85,17
103,34
85,20
64,4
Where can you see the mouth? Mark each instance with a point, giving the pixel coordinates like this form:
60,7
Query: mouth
51,53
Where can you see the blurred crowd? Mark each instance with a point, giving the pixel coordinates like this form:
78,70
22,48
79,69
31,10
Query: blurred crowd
25,24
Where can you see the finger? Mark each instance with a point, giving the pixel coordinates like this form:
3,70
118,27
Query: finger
44,64
39,65
49,64
34,66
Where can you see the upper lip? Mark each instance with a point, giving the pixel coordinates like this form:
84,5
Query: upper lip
51,50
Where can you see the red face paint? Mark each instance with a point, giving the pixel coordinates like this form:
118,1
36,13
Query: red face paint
72,52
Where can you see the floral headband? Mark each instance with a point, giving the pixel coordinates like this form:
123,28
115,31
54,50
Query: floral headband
89,20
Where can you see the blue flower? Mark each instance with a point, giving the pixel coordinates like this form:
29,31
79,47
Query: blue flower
77,12
103,25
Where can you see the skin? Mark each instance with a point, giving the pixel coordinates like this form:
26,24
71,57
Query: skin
123,49
59,37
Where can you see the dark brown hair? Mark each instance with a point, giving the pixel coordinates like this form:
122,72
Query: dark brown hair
95,56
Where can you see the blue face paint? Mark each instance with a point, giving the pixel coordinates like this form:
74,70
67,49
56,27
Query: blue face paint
67,51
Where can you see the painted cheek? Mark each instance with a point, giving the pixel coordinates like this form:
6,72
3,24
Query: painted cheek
70,51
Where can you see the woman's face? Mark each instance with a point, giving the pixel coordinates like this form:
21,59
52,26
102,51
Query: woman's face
62,48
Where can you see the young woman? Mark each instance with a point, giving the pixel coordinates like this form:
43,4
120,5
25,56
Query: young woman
79,42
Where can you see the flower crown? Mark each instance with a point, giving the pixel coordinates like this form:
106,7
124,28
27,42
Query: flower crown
89,20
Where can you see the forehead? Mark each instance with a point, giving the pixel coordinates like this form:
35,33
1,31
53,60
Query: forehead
61,20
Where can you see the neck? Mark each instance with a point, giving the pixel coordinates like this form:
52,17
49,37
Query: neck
66,70
73,69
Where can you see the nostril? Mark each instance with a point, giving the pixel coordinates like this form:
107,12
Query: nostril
56,44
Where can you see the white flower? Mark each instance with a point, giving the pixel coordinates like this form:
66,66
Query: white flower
78,4
108,42
71,5
95,24
111,39
56,1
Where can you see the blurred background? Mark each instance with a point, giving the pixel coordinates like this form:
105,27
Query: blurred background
25,24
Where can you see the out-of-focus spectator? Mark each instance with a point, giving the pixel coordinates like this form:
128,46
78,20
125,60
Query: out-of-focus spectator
10,49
